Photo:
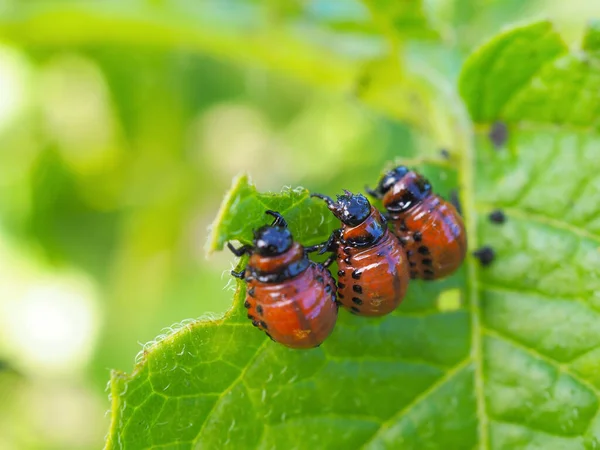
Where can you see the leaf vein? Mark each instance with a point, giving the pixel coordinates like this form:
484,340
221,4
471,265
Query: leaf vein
418,399
561,368
231,386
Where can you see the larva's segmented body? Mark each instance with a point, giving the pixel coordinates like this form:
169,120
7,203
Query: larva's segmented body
289,297
430,228
373,267
298,310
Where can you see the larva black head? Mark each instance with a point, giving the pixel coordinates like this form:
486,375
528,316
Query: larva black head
401,189
274,239
351,209
414,192
388,180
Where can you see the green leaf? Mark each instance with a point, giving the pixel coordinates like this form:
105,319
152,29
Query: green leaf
244,208
536,322
502,67
222,384
501,357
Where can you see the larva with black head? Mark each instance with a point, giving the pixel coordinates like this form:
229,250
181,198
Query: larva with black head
288,296
373,267
430,228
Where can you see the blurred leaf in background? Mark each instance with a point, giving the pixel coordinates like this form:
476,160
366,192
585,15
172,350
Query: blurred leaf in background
122,125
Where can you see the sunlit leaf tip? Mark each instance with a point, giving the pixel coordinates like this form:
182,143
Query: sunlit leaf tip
500,67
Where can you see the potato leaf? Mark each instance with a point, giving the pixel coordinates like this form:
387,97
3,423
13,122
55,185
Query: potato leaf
505,356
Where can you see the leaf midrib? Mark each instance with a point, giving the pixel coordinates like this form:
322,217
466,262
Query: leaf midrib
467,181
466,177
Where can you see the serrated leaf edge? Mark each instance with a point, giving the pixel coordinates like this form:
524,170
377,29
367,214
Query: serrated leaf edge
117,377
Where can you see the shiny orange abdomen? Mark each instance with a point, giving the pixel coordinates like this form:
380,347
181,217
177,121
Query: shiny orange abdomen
298,312
372,279
433,235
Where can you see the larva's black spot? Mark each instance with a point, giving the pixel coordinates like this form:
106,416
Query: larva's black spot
413,274
347,250
347,260
270,337
259,309
250,316
264,324
247,304
417,236
497,216
498,134
341,273
337,302
485,255
340,295
319,279
423,250
341,285
357,288
251,291
255,323
355,310
426,262
328,289
356,274
428,272
357,300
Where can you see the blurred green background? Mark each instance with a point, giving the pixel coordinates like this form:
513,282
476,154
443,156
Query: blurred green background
121,126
